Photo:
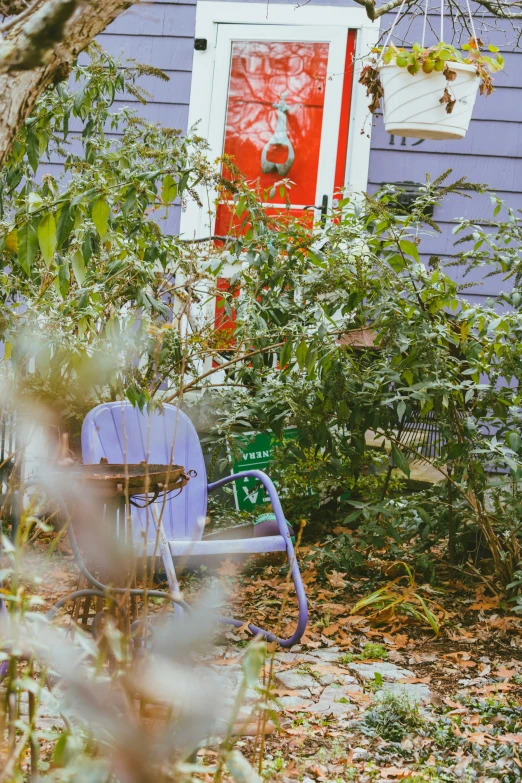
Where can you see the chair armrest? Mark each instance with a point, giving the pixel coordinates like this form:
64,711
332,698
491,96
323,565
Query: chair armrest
272,494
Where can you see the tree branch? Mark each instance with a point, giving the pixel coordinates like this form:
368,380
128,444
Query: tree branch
38,29
498,9
23,14
39,51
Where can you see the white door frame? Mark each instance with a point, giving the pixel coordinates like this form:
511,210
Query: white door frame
211,68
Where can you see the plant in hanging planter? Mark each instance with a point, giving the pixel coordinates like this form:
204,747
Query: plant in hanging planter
444,78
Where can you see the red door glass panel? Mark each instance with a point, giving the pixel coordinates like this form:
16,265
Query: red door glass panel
261,74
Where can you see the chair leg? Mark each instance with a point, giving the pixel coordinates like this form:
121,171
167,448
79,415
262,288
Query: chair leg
77,603
301,602
86,609
168,562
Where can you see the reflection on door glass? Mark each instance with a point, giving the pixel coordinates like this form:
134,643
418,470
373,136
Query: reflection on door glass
275,113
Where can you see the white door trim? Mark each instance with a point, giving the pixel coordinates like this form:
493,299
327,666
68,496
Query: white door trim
305,21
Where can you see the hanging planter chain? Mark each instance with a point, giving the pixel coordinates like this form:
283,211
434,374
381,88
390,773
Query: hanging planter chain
429,92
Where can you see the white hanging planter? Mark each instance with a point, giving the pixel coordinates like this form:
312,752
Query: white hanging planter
412,106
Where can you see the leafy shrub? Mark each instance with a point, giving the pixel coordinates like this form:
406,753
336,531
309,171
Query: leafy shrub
392,717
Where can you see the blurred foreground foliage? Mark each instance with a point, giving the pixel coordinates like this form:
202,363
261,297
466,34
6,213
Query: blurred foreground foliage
346,332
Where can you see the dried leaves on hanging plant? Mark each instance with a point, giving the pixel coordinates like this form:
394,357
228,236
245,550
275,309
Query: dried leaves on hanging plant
448,100
370,79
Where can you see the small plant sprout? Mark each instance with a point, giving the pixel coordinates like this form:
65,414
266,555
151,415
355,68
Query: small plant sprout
392,717
375,652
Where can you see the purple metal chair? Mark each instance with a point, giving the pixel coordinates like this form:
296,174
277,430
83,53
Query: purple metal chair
121,433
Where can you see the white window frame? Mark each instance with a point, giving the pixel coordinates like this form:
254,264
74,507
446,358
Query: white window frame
210,15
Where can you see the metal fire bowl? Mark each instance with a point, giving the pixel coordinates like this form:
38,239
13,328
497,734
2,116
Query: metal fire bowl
142,479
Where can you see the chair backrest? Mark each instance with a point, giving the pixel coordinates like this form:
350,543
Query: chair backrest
121,433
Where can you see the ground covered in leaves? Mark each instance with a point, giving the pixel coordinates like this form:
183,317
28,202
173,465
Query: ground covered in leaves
373,692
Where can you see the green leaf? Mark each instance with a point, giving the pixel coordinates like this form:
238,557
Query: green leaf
409,249
311,358
87,248
65,224
63,279
47,237
27,246
286,353
343,411
34,202
492,48
252,663
33,150
59,750
430,617
78,267
400,461
300,354
240,206
169,189
397,263
241,769
514,440
100,216
130,201
183,182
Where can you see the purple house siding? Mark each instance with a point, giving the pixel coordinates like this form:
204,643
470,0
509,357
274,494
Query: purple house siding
162,34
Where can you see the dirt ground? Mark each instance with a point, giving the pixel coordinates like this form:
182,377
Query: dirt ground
366,697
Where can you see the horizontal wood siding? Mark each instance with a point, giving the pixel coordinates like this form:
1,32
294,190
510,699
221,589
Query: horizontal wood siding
162,34
491,152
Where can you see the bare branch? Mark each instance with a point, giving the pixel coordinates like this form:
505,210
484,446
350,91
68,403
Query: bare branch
501,10
39,51
36,32
21,15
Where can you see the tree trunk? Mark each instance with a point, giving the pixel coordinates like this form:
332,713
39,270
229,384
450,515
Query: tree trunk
21,87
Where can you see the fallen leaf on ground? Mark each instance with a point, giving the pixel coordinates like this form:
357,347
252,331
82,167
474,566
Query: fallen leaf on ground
504,739
413,680
504,672
479,738
495,687
309,576
310,643
336,579
361,699
462,659
251,729
327,668
331,629
395,772
485,603
228,568
464,762
319,770
461,636
453,704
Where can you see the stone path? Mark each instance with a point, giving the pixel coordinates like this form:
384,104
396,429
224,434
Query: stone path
316,685
319,683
